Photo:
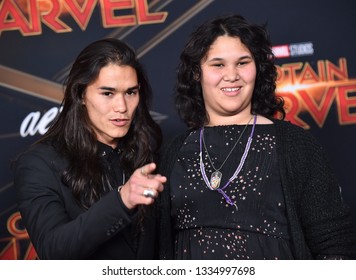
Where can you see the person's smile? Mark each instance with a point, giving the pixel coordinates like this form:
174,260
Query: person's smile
231,91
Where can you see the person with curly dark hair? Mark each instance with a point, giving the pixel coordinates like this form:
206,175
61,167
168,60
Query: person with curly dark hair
86,189
243,183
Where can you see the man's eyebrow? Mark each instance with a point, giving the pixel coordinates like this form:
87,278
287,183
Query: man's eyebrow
107,88
114,89
134,87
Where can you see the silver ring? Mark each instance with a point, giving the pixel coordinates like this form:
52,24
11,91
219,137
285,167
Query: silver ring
149,193
143,172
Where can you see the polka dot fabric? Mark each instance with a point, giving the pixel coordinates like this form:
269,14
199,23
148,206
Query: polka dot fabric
206,226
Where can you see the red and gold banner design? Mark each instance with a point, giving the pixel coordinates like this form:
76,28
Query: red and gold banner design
315,90
28,16
17,242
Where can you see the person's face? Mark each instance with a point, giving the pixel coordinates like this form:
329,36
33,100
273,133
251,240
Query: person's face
228,74
111,101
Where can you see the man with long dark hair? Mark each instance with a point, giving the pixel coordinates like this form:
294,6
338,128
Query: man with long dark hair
86,190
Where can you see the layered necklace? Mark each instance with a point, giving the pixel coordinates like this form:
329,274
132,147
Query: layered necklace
216,176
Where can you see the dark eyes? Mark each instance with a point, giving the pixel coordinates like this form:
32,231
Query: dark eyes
132,91
240,63
128,92
243,62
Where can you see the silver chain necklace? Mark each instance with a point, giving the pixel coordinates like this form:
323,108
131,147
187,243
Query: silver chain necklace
216,176
207,153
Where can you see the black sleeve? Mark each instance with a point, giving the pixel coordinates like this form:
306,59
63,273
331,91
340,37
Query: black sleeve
52,230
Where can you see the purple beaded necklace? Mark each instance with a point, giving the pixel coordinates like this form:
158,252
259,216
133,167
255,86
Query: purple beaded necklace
237,171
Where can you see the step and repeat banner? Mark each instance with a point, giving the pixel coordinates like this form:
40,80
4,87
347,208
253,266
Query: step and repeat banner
314,43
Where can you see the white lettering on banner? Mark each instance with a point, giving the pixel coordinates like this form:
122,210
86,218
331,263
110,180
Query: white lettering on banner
292,50
301,49
34,123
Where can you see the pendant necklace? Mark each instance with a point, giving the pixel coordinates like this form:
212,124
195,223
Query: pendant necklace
216,176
